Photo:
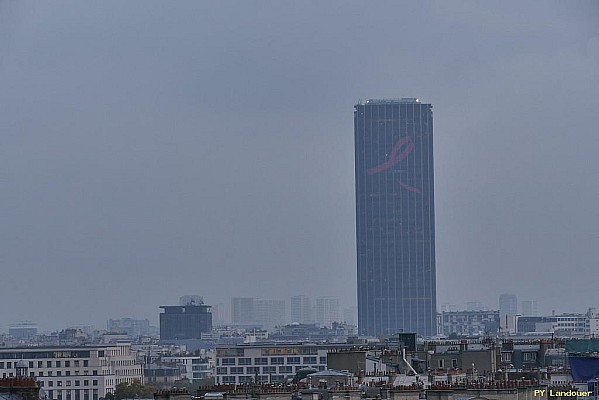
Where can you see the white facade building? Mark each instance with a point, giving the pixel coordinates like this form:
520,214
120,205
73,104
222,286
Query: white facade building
268,362
74,373
196,367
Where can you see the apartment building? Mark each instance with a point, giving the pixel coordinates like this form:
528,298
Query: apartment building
74,373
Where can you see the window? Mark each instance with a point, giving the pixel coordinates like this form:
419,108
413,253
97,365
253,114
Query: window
269,370
9,365
95,372
95,383
506,357
67,373
67,364
228,361
58,383
86,382
58,373
228,379
286,369
323,360
58,364
48,364
76,363
221,370
454,363
309,360
77,383
2,365
441,363
277,361
41,373
40,364
50,383
252,370
30,364
244,361
529,356
85,363
68,383
237,370
293,360
260,361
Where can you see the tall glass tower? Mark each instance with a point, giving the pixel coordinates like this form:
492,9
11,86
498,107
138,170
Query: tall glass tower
395,217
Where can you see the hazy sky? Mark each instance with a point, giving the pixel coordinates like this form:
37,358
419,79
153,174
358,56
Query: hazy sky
154,149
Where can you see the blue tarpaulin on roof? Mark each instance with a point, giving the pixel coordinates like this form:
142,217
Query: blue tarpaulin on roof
584,368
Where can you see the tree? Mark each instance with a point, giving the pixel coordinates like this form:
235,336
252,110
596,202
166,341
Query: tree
134,390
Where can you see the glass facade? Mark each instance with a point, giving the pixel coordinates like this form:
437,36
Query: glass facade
395,218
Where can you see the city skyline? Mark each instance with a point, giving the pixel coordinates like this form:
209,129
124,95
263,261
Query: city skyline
152,150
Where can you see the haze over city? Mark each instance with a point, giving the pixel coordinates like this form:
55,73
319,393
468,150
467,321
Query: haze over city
150,150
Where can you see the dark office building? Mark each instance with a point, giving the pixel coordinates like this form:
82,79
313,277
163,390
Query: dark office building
185,322
395,217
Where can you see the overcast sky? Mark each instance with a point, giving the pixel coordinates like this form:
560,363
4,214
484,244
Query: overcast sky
154,149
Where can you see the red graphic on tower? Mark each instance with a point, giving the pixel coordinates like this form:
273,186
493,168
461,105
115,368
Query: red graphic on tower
400,150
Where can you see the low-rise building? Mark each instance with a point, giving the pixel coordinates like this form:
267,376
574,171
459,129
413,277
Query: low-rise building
74,373
268,363
195,368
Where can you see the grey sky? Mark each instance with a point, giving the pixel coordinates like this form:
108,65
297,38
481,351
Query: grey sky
154,149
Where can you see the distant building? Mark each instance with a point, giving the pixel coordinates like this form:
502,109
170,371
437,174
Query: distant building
473,306
185,322
534,324
242,310
508,309
269,313
530,308
350,316
469,323
508,304
569,324
221,314
23,330
327,311
132,327
301,310
312,332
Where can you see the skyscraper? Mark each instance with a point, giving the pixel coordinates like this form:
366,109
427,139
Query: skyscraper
301,309
243,310
327,310
395,217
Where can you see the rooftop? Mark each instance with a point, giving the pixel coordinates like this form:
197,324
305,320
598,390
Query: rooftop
393,100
